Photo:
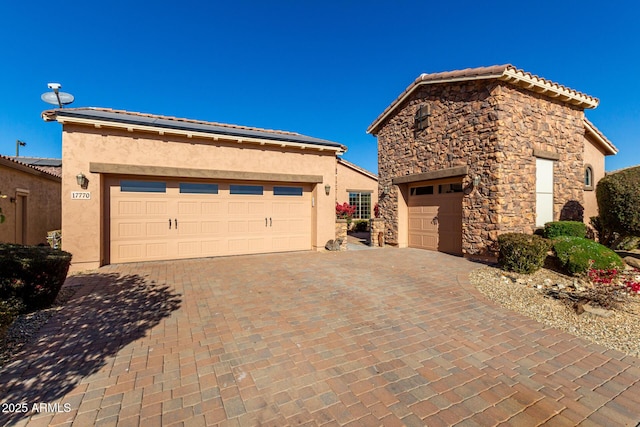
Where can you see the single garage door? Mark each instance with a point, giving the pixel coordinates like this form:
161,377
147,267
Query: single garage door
435,217
159,219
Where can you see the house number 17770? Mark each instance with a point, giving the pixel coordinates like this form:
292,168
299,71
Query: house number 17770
80,195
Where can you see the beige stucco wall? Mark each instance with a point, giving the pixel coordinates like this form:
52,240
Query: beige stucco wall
349,179
42,193
84,222
593,156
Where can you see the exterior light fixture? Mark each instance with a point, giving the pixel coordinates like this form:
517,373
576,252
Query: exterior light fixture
385,190
327,189
82,180
476,180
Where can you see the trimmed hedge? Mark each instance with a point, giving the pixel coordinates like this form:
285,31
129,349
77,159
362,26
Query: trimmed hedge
578,254
618,197
522,253
32,275
564,228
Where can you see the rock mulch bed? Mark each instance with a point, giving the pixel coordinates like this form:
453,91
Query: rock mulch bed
24,327
553,298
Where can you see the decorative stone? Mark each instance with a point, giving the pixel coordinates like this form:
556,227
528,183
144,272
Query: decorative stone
333,245
632,261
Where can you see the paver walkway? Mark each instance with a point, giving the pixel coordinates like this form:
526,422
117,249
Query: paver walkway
380,337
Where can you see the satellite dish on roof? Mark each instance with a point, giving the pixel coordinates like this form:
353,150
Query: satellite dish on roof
56,97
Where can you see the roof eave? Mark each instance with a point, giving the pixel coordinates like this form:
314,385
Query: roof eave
131,126
599,138
506,73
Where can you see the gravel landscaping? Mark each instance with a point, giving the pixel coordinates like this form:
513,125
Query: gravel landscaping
25,326
550,298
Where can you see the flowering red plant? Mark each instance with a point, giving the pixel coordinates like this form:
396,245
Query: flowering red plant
376,210
613,276
345,210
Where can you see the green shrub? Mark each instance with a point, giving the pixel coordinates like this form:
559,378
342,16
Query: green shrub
522,253
564,228
32,274
618,197
361,225
577,255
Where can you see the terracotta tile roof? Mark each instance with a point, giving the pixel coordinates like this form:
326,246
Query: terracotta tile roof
14,164
593,133
506,72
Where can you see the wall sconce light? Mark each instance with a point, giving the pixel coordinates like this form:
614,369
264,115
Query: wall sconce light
386,190
12,199
82,180
476,180
327,189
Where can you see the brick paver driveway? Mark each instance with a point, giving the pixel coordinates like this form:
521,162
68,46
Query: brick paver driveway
378,337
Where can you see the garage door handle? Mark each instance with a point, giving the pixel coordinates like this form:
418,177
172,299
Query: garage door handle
176,221
265,222
169,223
270,223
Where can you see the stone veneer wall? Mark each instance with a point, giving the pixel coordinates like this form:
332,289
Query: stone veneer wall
493,128
529,121
462,130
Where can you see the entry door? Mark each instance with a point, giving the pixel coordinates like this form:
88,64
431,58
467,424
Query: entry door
21,219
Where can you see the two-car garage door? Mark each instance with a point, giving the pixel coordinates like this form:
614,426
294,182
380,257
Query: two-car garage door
155,219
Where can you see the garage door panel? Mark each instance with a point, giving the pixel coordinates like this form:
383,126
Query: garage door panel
129,207
212,208
128,229
160,229
211,227
189,249
156,207
186,228
188,208
237,208
212,247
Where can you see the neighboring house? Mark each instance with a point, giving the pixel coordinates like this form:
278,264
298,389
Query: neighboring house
53,166
467,155
356,186
30,202
140,187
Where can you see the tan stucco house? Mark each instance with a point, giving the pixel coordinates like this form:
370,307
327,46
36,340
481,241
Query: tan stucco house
30,203
467,155
357,187
142,187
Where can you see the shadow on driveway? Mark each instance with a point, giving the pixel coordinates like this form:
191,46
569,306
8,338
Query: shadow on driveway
107,312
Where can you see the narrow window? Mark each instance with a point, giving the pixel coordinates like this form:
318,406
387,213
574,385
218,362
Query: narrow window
588,178
287,191
544,191
422,191
129,186
421,119
196,188
254,190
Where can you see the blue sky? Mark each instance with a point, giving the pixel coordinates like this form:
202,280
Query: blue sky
325,69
